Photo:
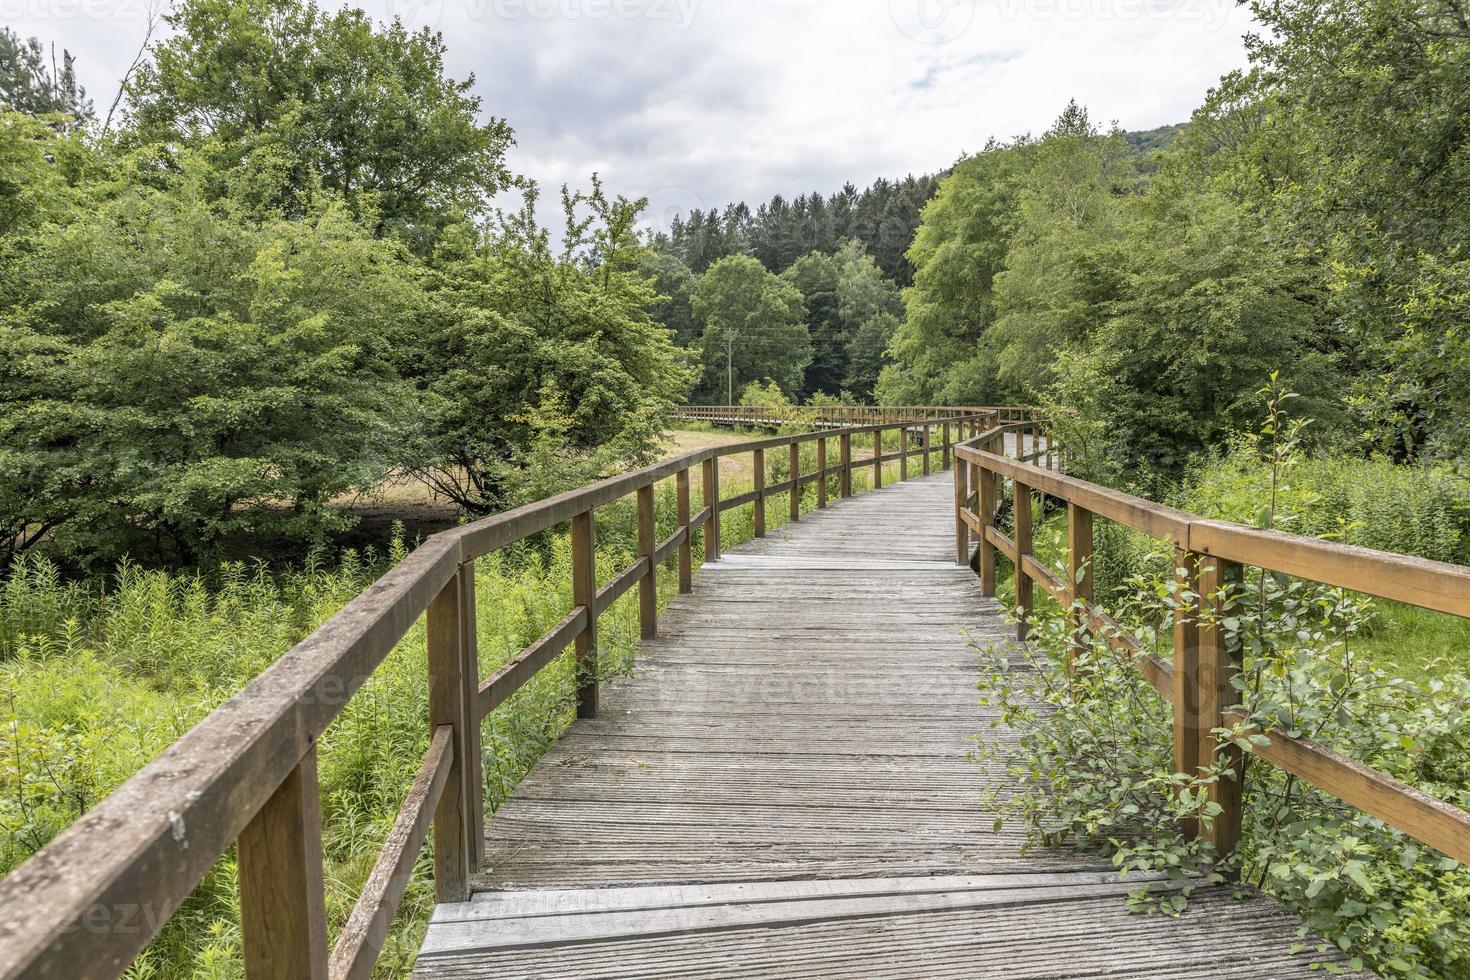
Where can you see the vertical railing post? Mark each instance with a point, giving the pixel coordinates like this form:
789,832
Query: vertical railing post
648,584
686,557
794,503
844,448
961,498
1024,585
584,594
822,471
1189,736
710,491
928,432
453,843
944,459
760,492
283,911
903,453
1079,566
1219,663
986,506
470,687
878,457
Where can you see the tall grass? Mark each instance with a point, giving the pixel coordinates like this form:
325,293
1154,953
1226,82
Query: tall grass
101,676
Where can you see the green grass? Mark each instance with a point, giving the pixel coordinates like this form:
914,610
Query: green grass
101,676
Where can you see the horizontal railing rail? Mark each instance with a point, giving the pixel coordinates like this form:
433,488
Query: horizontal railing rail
1198,683
843,415
89,902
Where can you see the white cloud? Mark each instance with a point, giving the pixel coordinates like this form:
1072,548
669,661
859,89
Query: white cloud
699,102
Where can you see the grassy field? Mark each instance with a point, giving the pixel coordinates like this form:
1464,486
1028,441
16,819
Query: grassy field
100,676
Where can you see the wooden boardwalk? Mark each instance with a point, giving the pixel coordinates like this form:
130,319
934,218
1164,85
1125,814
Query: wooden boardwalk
783,790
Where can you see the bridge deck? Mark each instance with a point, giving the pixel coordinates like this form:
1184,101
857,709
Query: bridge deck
783,791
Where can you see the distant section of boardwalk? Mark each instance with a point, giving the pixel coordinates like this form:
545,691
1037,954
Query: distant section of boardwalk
783,790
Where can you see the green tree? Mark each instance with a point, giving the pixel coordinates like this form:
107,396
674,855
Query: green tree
752,328
673,307
815,276
1373,97
1061,269
528,353
870,309
173,378
28,84
957,253
283,96
1209,310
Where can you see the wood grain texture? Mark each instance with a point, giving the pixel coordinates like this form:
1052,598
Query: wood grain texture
783,790
283,912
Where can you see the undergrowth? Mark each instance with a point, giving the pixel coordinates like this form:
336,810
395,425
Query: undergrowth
101,675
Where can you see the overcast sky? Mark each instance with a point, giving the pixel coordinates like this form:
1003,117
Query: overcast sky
694,103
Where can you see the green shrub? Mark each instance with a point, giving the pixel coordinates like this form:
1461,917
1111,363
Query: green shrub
1092,765
1411,510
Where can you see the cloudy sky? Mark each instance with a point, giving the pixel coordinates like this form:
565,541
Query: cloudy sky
693,103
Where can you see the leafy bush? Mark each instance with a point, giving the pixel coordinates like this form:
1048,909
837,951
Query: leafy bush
1093,766
1412,510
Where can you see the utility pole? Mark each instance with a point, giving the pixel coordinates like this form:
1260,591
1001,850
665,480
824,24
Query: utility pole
730,366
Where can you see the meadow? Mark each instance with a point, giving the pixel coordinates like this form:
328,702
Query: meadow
102,674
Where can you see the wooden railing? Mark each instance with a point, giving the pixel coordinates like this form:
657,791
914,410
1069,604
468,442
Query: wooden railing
842,415
86,904
1198,684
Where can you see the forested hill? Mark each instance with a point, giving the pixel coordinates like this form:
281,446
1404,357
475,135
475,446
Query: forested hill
806,293
882,216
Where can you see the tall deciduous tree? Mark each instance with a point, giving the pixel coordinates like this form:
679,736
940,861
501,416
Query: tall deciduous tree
282,95
753,328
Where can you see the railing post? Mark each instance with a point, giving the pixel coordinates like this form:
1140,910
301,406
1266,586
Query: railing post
1188,729
711,494
453,844
470,686
903,453
944,460
760,492
686,562
844,445
584,594
928,431
985,504
1024,585
794,503
961,529
1079,565
1219,663
878,458
648,584
283,911
822,469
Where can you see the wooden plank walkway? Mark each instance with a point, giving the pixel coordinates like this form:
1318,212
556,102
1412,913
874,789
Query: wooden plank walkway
783,791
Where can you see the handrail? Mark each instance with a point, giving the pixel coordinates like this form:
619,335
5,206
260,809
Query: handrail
1198,684
88,903
844,415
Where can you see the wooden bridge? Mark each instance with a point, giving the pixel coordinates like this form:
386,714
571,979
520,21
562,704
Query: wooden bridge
780,790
